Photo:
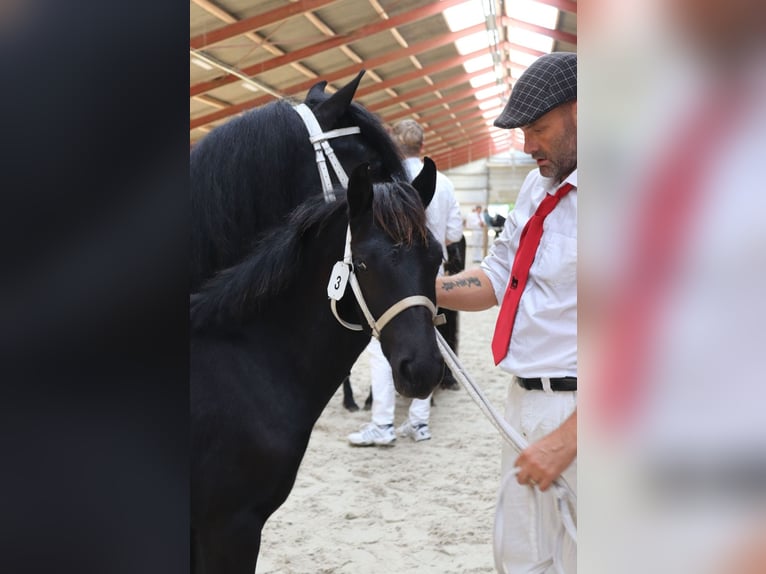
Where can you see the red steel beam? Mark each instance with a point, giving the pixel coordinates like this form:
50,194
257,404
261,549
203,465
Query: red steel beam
464,120
564,5
470,148
473,111
419,109
439,66
525,49
429,89
470,128
376,27
474,134
413,49
472,154
471,151
469,133
254,22
559,35
435,104
458,128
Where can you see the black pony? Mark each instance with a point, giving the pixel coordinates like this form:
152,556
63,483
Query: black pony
267,354
249,173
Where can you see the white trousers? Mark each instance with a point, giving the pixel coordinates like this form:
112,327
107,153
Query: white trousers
384,394
474,246
526,520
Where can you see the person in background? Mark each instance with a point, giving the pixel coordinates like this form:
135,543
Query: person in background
531,272
444,221
474,223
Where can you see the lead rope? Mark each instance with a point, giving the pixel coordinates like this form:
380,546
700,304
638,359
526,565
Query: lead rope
563,492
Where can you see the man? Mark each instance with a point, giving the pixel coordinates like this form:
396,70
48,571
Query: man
535,338
474,223
444,221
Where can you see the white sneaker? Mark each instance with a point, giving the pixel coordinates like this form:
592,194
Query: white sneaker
416,433
372,434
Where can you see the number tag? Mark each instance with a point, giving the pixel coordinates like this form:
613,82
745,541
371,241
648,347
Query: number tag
338,280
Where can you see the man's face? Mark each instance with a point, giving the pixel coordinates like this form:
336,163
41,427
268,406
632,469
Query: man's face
552,141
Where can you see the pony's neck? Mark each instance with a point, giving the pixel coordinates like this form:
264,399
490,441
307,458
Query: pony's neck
321,351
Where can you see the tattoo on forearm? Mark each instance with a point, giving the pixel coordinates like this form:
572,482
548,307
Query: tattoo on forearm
450,285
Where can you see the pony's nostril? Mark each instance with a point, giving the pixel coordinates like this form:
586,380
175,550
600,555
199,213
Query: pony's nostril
417,377
405,369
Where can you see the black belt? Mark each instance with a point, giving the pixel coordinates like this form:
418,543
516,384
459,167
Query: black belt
562,384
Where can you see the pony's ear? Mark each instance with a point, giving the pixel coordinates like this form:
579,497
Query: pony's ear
328,112
359,192
425,182
316,90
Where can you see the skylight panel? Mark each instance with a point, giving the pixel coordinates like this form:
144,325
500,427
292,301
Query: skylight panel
464,15
533,12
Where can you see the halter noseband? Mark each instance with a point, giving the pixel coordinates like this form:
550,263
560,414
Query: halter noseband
376,326
323,148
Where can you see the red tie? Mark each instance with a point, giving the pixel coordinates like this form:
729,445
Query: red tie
666,215
525,255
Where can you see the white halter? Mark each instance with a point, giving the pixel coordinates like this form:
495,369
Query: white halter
322,148
340,276
375,326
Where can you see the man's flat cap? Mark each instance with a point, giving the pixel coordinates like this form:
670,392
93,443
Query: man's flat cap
549,82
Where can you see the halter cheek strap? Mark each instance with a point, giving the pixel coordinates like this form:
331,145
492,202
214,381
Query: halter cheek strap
322,148
377,326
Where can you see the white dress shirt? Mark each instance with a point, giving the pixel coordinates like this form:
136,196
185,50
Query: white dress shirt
544,339
443,213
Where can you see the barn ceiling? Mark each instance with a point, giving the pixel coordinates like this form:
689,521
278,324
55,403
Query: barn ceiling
447,64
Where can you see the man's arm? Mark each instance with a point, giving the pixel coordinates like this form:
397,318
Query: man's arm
544,461
469,290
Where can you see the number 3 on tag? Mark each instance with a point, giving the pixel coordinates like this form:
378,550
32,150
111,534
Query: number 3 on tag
338,280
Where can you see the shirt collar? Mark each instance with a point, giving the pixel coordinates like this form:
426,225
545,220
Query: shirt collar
551,186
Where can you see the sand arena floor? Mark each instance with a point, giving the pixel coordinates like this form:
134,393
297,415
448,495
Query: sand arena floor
423,507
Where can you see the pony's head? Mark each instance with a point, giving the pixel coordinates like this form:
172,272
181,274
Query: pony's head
248,174
395,258
372,145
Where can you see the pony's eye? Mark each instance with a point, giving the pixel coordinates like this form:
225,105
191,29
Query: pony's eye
361,266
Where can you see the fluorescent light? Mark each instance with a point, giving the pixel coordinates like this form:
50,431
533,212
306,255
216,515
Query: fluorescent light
249,86
202,64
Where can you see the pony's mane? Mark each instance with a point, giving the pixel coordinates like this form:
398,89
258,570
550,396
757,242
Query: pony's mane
372,129
235,293
232,167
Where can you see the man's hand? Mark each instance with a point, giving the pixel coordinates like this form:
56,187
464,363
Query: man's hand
543,461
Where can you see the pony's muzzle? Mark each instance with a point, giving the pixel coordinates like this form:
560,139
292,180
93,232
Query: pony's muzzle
417,375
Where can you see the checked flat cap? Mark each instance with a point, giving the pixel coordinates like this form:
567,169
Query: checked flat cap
549,82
